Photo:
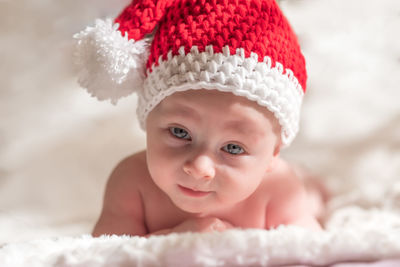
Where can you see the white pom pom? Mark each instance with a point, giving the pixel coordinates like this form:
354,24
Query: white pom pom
110,65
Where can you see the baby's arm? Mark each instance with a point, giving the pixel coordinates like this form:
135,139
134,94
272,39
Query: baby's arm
201,225
122,207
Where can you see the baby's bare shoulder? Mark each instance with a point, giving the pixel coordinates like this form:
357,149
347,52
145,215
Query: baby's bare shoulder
280,186
122,211
126,180
288,199
283,177
132,167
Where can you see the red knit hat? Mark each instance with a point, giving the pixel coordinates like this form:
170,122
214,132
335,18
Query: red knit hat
246,47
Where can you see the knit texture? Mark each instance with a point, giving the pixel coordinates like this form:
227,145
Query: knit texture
257,26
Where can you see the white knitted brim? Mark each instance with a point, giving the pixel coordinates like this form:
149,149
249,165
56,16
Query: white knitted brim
273,87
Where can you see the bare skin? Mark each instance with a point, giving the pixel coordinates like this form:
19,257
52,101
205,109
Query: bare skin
203,172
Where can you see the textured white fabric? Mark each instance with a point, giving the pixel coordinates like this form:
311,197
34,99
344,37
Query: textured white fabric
282,246
110,65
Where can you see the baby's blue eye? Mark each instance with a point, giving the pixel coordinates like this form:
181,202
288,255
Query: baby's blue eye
179,133
233,149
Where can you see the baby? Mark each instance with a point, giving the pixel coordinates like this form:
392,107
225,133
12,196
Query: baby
221,96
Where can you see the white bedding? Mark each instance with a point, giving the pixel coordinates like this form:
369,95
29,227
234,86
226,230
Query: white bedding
58,145
283,246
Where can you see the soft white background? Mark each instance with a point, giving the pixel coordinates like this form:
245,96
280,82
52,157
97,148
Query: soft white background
58,145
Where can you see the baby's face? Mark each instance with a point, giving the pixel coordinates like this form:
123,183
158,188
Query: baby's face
208,150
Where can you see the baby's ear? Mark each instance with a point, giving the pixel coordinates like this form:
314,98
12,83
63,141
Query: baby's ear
277,149
272,164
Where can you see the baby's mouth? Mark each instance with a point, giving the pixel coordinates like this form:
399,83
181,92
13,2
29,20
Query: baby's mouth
193,192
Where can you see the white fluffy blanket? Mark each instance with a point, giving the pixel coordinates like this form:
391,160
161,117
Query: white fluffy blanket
283,246
58,145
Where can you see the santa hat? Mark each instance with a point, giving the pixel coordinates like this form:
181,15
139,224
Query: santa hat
159,47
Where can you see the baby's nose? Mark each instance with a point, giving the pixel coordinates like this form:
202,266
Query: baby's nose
200,167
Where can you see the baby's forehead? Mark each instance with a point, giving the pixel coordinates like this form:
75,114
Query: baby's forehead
225,104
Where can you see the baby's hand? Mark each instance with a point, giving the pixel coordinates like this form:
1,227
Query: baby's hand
203,225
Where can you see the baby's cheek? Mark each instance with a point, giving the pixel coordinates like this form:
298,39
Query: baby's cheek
163,168
239,186
155,164
159,155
